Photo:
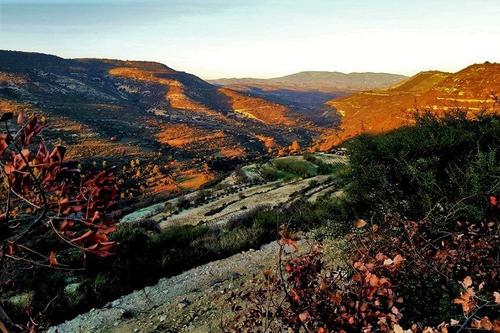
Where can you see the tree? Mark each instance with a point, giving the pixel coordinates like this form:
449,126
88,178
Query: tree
44,195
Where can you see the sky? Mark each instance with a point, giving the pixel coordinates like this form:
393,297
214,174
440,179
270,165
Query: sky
261,38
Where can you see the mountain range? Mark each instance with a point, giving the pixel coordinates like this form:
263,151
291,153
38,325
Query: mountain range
319,81
117,110
136,103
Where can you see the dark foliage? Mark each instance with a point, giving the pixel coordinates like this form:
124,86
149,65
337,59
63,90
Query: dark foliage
444,168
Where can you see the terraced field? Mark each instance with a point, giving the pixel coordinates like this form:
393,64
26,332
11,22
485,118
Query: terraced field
230,201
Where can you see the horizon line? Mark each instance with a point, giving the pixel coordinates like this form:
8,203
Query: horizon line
264,77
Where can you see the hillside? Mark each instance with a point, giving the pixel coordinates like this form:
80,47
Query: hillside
307,92
210,294
117,110
378,111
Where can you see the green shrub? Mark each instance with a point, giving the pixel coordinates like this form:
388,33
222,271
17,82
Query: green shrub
269,173
301,168
183,203
443,168
311,158
325,168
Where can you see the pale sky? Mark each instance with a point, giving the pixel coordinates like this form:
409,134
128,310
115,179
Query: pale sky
261,38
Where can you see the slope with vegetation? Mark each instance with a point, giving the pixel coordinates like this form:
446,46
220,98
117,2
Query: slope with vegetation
411,244
419,227
118,111
62,250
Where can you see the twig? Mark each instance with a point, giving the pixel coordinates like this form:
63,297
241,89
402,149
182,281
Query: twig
467,321
64,238
44,265
37,183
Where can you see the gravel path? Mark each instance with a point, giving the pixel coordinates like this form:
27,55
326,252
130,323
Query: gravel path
186,302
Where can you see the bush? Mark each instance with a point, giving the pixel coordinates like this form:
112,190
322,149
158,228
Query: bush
392,282
200,198
295,166
442,167
183,203
311,158
429,252
269,173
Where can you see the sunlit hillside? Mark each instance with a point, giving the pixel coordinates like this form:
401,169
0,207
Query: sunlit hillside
473,89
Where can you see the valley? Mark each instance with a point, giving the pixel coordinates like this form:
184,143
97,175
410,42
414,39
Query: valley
114,112
207,172
191,131
231,166
194,300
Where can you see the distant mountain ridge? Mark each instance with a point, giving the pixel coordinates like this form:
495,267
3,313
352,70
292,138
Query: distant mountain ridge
320,81
109,108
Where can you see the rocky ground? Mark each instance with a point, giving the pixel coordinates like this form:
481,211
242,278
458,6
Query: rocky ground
190,302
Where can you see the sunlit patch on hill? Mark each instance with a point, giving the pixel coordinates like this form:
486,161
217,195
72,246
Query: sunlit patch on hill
268,142
420,83
194,179
12,106
11,79
179,176
259,109
175,90
198,140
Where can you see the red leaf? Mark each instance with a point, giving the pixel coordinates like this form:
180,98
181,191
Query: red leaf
20,118
11,249
66,225
467,282
96,217
295,295
53,259
360,223
304,316
63,201
290,242
4,143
